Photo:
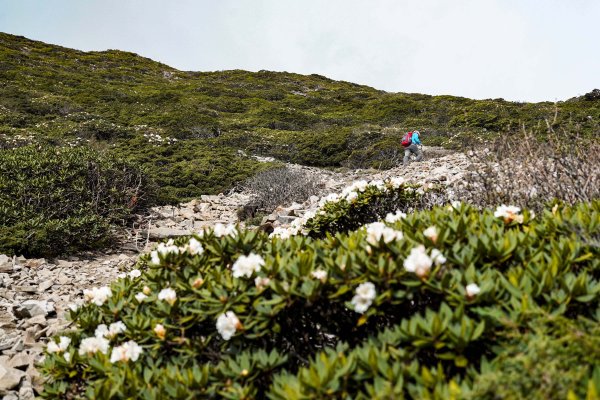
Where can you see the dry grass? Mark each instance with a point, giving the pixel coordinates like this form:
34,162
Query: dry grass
526,171
279,187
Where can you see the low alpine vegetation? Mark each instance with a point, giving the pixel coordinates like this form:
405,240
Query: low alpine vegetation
422,305
54,200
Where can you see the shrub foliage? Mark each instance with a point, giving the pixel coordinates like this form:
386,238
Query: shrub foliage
423,307
54,200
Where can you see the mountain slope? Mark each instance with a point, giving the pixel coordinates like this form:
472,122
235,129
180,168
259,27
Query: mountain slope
182,125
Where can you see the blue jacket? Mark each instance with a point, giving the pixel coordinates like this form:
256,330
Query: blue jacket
415,138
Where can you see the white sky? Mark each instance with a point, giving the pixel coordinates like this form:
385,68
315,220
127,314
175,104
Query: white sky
525,50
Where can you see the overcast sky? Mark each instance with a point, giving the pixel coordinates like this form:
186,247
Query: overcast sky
526,50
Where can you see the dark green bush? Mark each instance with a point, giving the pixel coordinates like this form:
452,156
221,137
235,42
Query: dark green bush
55,199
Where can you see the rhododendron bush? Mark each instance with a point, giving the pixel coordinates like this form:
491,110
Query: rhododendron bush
417,306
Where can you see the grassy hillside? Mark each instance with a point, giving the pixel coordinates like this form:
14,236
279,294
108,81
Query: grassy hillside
186,127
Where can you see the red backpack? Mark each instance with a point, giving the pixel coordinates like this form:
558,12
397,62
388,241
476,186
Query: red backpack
407,140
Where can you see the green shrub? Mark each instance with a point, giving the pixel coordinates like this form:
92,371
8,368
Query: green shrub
55,199
397,311
553,358
360,203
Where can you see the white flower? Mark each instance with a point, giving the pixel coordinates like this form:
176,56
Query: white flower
308,215
351,196
246,265
361,185
437,257
418,261
59,347
168,295
391,218
140,297
378,230
160,331
221,230
98,296
122,275
319,274
472,290
92,345
431,233
378,183
330,198
456,204
194,247
101,331
509,214
261,282
167,248
67,357
115,328
154,259
396,182
135,273
73,306
227,324
127,351
363,298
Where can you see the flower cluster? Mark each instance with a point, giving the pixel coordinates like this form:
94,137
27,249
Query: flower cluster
509,214
378,231
261,282
228,324
247,265
135,273
363,298
221,230
127,351
169,295
420,263
390,218
192,247
431,233
319,274
92,345
59,347
472,290
98,296
157,139
102,331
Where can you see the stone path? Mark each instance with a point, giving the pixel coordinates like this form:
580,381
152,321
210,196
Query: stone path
35,294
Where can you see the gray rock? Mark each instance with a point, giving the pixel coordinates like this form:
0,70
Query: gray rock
6,264
165,233
20,361
10,378
37,320
35,378
11,396
45,285
32,308
26,392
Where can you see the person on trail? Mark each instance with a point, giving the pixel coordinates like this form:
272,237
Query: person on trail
411,143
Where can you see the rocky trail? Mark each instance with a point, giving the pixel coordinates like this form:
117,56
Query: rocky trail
35,294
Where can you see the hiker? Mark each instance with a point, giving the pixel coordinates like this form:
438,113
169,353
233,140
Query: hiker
411,143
